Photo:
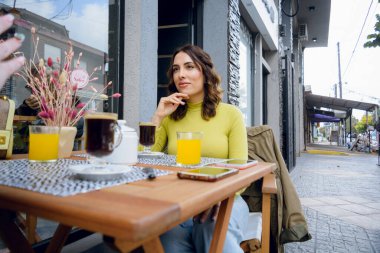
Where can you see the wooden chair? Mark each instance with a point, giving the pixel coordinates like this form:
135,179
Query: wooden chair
255,245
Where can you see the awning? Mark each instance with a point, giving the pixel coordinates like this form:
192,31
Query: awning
323,118
318,101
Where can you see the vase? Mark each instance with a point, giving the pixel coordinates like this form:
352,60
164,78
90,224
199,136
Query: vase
66,141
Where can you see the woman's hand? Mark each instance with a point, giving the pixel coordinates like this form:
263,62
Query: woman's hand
167,106
211,213
6,48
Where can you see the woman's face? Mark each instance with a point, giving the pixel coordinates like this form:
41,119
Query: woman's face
188,77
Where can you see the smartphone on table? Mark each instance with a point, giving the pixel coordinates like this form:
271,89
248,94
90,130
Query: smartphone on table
240,164
210,174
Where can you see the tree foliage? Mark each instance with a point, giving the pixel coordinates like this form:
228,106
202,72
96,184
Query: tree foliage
374,38
361,126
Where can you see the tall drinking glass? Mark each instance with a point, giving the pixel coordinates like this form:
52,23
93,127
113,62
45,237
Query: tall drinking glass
43,143
147,135
189,148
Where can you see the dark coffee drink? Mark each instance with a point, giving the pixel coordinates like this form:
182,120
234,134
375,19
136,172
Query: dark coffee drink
100,129
147,132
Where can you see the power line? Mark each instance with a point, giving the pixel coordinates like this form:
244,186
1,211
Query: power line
34,2
69,12
361,31
362,95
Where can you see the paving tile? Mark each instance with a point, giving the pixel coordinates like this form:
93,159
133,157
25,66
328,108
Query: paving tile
333,200
333,211
366,222
375,205
312,202
360,209
356,199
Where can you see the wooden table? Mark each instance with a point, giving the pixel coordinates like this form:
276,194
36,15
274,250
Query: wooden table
132,214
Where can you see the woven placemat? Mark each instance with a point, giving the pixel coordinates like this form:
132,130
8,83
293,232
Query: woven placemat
56,179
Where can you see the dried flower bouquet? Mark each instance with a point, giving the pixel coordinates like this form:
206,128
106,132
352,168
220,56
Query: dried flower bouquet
55,91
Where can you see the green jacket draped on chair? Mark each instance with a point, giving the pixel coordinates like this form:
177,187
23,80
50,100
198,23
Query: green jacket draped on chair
289,225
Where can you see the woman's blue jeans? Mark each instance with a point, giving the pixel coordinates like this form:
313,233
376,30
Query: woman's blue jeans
195,237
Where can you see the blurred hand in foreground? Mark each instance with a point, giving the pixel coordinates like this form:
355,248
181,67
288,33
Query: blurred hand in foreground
7,47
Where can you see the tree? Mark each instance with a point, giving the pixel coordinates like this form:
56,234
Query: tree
361,126
374,38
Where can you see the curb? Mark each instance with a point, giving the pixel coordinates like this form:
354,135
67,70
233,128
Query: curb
325,152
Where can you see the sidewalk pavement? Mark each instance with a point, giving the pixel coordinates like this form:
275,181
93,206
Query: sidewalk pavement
340,195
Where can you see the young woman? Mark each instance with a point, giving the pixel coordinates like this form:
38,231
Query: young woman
195,105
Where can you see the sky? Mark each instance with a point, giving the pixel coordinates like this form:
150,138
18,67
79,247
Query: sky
86,20
361,75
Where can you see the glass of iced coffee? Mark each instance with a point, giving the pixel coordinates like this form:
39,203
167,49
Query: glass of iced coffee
100,130
147,135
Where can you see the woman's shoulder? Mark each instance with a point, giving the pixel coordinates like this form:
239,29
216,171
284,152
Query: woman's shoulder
228,108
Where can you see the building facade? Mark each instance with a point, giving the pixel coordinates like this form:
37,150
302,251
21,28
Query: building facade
257,47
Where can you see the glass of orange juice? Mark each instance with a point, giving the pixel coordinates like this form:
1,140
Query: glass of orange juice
189,148
43,143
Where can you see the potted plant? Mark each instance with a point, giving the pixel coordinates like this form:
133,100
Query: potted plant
55,85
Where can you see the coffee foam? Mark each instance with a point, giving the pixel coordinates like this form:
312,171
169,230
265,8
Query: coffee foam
101,115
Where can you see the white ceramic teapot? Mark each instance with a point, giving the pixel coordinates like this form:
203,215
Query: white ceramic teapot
126,151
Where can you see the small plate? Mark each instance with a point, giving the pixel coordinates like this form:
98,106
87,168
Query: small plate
150,154
99,172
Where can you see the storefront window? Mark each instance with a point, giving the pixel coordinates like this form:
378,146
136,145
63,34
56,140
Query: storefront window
245,61
84,23
51,51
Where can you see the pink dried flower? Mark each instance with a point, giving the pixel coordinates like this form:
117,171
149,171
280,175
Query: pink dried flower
43,115
81,105
50,62
93,88
51,114
55,73
73,114
116,95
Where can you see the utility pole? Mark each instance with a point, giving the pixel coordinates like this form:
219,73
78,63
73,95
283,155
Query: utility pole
339,73
342,123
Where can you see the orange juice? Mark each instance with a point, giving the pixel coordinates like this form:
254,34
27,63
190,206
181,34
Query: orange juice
188,151
43,147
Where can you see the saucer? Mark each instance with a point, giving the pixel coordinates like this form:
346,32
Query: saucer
97,172
150,154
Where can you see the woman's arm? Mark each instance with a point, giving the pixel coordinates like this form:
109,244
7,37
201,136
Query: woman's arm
167,106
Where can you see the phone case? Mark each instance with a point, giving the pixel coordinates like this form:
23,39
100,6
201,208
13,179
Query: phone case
209,174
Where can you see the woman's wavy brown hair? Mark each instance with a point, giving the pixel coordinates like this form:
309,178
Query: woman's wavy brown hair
212,90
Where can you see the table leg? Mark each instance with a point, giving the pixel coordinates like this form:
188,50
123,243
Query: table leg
11,234
59,238
221,225
31,225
